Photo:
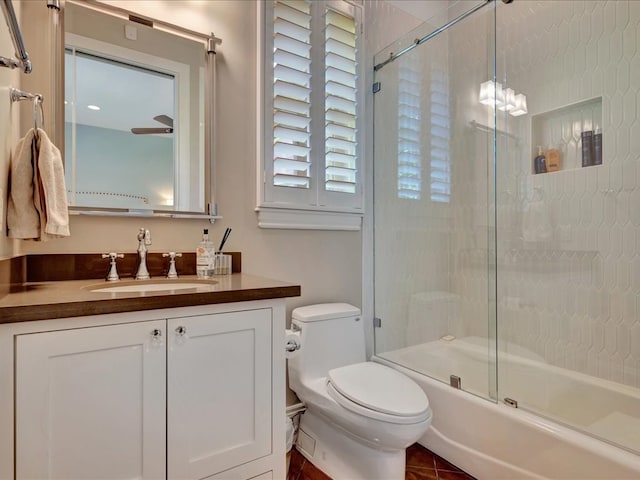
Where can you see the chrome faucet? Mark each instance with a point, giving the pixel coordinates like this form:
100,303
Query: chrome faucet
144,239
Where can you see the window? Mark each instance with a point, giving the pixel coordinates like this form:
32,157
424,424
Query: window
311,161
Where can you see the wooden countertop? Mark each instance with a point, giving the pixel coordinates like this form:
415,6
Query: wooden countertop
60,299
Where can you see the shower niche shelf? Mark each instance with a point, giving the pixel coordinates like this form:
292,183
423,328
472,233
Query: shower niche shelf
562,129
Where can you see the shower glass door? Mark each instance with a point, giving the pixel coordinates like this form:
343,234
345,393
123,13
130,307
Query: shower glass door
434,207
568,230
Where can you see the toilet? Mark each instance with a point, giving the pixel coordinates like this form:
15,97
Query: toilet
360,416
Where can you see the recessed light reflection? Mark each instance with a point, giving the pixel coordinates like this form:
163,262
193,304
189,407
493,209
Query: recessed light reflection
93,107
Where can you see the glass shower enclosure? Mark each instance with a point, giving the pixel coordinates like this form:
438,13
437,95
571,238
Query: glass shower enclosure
506,200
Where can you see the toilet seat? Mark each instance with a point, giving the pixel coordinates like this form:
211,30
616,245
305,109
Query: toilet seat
378,392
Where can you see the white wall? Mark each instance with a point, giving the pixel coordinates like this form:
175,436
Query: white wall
328,265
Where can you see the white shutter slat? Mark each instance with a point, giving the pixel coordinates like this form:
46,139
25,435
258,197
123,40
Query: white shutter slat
340,76
340,146
340,159
281,117
291,74
342,49
291,105
292,14
341,104
340,90
291,30
289,165
344,36
291,90
291,60
297,136
302,5
288,150
342,118
293,45
341,63
291,181
335,130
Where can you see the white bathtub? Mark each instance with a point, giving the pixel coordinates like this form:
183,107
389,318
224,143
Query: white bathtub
494,441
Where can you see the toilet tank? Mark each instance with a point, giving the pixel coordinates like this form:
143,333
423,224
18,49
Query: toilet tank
331,335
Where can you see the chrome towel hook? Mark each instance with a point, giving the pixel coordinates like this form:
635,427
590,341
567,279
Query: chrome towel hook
38,107
38,112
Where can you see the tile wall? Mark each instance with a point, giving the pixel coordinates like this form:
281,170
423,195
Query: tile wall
568,241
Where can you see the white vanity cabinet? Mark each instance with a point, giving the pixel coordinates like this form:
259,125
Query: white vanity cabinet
219,391
91,402
185,393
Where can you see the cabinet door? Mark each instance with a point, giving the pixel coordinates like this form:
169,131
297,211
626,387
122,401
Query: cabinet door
219,392
90,403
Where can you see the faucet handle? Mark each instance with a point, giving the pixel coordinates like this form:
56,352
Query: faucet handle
172,264
113,255
113,271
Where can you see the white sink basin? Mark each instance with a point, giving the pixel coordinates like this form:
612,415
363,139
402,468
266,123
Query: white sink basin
153,286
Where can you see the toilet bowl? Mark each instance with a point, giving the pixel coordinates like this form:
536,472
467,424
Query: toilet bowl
360,416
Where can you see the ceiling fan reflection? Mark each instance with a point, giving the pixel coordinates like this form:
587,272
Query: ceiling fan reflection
164,119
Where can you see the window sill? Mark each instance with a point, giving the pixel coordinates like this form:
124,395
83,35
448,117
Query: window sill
293,219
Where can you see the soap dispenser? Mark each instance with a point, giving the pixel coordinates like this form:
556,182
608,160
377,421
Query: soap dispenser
540,162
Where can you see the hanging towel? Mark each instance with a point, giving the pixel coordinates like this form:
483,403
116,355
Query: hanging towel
23,220
37,208
50,189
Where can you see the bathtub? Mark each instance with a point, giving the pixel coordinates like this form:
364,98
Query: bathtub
495,441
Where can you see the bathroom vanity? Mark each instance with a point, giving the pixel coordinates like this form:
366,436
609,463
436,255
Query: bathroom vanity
169,384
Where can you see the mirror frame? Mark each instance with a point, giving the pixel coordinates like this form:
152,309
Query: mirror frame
57,129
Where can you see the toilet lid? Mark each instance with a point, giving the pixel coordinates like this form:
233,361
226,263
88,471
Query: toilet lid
379,388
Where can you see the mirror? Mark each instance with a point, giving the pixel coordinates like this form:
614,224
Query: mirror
137,136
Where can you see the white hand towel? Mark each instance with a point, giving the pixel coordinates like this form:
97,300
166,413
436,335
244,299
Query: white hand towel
54,221
22,217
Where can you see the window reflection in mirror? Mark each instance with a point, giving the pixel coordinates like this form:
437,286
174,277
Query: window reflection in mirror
119,122
134,114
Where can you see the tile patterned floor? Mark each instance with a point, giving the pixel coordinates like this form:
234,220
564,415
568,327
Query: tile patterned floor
422,464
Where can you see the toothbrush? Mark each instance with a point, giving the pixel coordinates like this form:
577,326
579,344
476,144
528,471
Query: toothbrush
227,232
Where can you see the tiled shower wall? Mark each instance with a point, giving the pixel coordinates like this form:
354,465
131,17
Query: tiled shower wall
568,249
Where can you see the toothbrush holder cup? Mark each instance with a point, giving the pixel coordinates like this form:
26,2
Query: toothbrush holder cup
221,264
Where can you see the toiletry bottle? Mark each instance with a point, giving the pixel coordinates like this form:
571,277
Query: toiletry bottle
587,148
540,162
552,156
204,256
597,147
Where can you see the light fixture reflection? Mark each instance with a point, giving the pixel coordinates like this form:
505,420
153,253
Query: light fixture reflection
520,107
506,100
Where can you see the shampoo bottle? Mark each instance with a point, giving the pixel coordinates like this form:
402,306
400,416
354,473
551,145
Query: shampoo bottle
597,147
204,256
587,148
540,162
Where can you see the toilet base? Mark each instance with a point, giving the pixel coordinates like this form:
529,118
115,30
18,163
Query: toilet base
340,456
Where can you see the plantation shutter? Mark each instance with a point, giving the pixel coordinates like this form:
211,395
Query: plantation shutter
311,155
291,94
340,102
